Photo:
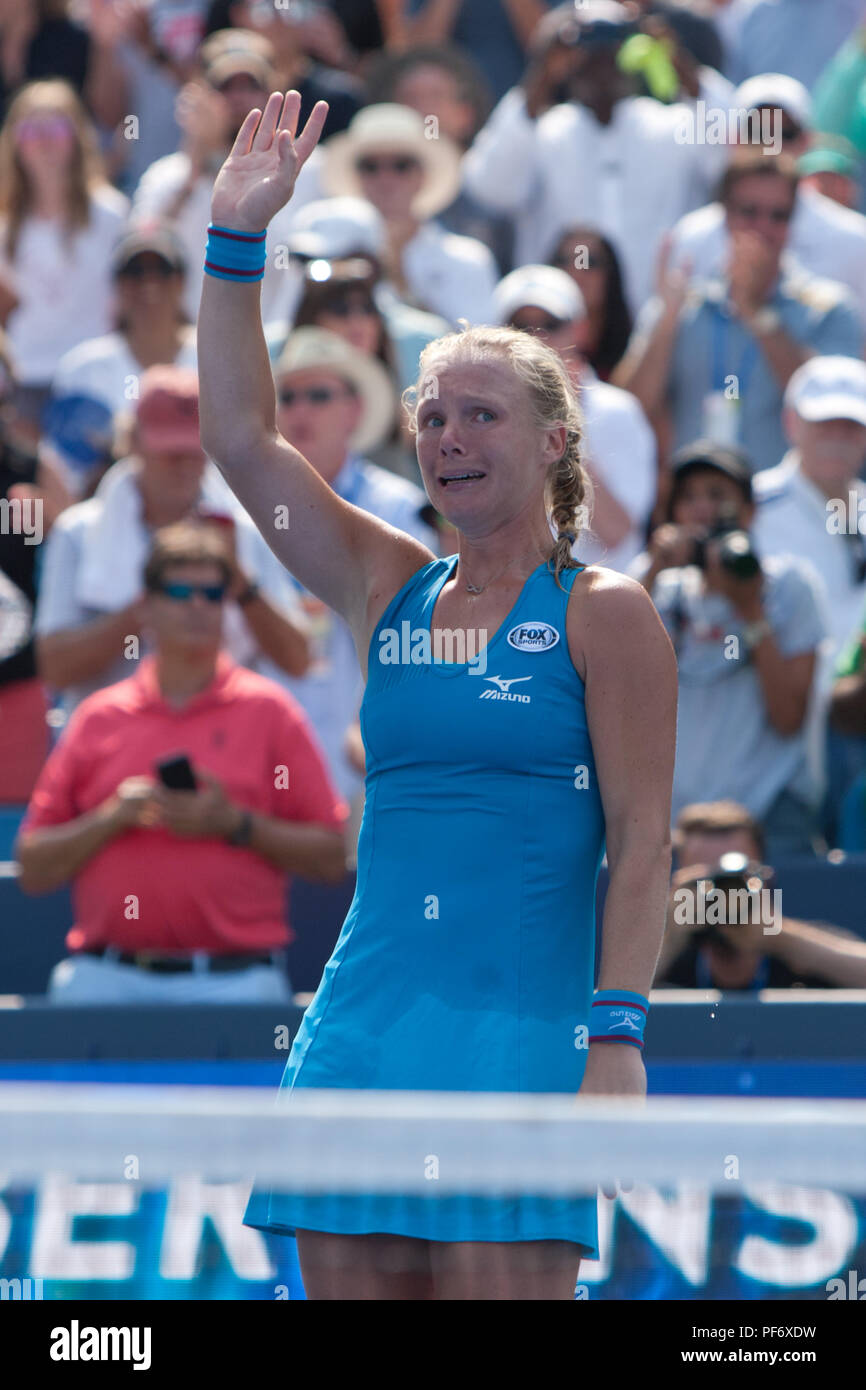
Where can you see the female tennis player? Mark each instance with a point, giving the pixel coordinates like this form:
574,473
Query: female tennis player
466,959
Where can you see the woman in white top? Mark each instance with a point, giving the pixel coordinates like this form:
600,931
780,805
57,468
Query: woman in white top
150,325
59,221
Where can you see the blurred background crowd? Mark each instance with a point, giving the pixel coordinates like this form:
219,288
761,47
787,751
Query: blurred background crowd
671,193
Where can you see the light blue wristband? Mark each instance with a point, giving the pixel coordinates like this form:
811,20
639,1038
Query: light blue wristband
234,255
618,1015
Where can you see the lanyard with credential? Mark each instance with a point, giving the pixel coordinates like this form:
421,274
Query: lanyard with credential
721,362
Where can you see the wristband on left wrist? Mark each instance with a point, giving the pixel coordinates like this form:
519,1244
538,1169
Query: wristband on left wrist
618,1015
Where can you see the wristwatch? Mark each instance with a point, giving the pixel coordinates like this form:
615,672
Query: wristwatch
766,320
243,834
755,632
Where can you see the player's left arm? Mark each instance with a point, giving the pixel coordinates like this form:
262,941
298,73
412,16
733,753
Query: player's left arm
626,659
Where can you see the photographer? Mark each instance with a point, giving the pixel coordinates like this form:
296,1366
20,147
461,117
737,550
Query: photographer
746,636
725,928
575,142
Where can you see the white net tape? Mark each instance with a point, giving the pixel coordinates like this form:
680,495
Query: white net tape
340,1140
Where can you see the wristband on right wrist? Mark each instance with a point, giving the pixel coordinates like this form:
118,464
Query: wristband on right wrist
618,1015
234,255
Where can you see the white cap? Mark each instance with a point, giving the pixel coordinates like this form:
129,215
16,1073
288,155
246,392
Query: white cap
332,228
829,388
775,89
541,287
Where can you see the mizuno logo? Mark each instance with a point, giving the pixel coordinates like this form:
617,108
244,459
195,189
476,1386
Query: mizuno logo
503,690
505,685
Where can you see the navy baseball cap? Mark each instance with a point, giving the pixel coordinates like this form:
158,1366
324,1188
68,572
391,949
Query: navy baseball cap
704,453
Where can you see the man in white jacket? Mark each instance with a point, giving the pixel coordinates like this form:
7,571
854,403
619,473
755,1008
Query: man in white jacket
601,155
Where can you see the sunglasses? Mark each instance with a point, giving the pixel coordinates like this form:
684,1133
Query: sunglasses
182,593
397,164
547,325
314,395
42,127
753,212
141,269
347,306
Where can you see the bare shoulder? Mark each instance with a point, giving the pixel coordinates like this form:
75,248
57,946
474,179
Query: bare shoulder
612,620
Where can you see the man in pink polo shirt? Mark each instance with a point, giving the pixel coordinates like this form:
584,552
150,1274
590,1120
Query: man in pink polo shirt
180,895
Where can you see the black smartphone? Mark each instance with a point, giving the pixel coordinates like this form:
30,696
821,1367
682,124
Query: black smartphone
175,772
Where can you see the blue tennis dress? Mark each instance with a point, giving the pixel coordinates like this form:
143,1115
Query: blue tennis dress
466,959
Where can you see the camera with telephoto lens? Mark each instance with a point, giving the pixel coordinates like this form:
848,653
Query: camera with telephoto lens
736,552
733,873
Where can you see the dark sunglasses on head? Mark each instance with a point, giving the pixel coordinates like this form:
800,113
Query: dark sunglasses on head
396,164
753,212
182,593
314,395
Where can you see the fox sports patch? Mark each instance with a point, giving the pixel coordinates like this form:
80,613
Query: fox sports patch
533,637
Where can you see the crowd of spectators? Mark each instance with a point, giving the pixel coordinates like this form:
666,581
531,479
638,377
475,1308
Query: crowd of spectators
670,193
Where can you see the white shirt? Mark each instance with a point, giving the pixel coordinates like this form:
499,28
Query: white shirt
105,369
633,178
159,186
64,285
621,451
792,518
827,239
90,529
454,276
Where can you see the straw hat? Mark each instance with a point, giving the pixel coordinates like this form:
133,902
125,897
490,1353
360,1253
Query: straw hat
315,349
388,126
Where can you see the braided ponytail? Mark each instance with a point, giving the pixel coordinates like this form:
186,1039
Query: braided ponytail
570,501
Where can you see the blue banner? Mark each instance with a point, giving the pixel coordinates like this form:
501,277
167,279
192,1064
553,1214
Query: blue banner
68,1239
73,1240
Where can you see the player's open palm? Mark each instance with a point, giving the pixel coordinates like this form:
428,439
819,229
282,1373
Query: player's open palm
259,175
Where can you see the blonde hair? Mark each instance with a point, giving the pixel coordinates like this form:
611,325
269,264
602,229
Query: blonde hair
568,488
85,168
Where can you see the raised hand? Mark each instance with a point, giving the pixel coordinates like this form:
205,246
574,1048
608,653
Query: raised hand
259,175
672,282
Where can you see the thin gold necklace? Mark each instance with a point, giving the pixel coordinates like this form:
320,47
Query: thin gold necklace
474,588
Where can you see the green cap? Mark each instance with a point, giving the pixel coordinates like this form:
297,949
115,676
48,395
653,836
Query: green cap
834,155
